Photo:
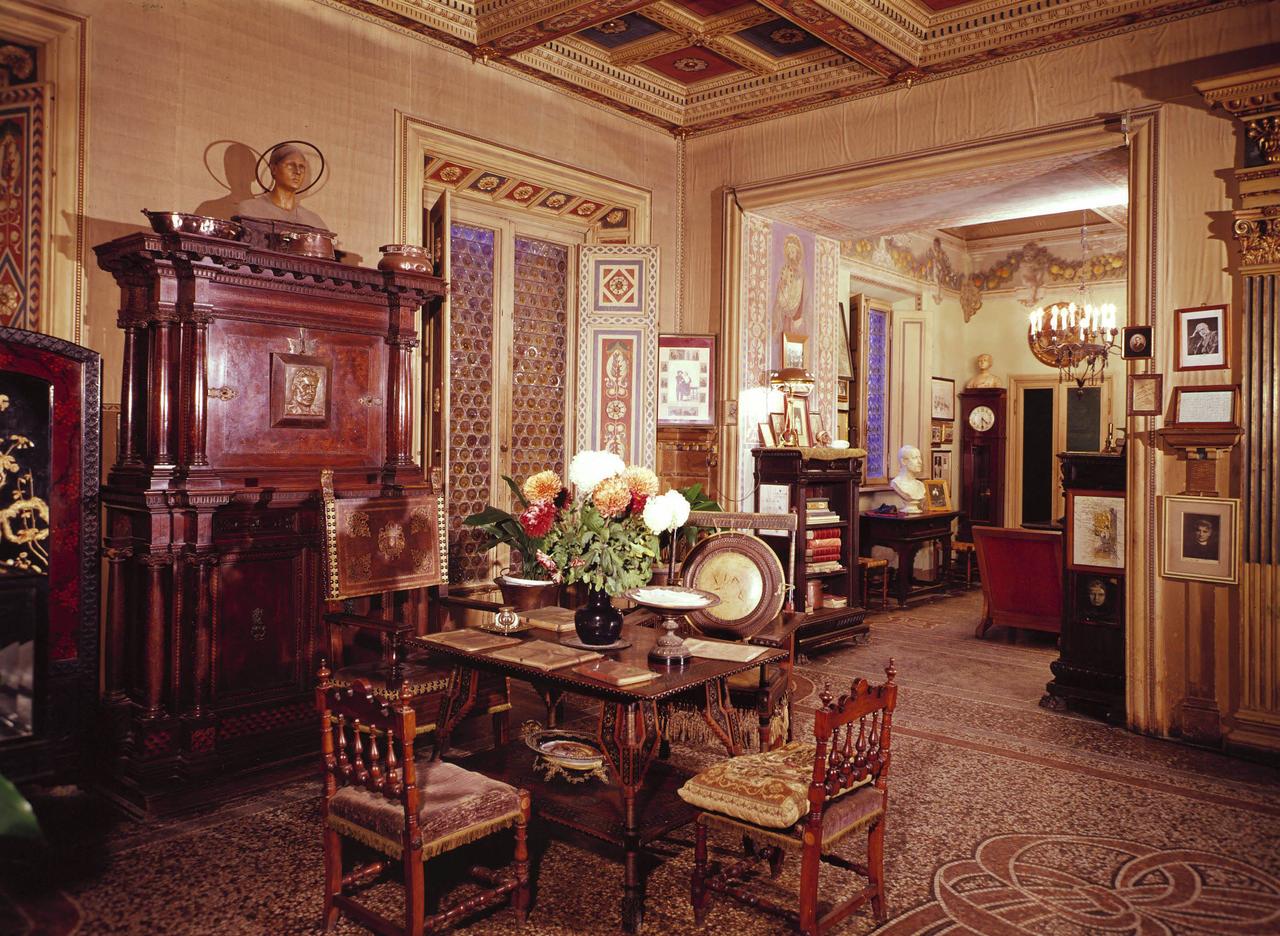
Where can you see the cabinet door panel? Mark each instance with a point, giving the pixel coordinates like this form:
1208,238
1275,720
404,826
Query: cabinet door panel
259,625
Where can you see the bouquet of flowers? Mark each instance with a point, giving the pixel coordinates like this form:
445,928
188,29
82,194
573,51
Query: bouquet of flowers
541,498
602,538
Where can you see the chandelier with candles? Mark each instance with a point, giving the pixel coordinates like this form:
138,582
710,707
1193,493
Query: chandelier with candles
1076,339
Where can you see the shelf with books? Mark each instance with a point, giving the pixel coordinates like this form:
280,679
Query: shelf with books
821,486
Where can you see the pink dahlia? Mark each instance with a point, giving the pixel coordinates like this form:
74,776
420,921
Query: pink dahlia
537,519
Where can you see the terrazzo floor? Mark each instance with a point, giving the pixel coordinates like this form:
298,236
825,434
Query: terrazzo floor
1005,818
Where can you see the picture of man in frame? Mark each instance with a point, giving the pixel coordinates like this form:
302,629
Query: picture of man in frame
1201,536
1202,336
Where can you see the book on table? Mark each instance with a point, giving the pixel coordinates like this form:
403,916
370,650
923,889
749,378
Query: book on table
473,641
722,650
615,673
543,655
559,620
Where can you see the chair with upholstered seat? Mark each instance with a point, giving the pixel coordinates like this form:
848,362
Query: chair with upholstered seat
410,808
803,798
872,567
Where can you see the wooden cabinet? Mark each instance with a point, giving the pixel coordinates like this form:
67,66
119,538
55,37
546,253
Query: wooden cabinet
687,456
1089,672
811,479
245,373
983,418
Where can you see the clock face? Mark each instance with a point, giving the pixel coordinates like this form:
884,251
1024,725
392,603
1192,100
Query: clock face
982,418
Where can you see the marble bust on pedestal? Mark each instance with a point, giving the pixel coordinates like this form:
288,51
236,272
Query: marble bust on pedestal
907,484
984,378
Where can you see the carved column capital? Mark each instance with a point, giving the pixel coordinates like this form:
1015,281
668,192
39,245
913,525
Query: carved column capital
1258,233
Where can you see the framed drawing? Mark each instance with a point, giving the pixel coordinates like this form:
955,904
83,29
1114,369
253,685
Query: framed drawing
942,464
1099,599
777,423
1199,539
793,350
767,437
1202,338
818,429
1095,531
937,494
842,390
935,434
1137,343
300,390
1211,407
798,416
1146,394
686,380
948,433
943,394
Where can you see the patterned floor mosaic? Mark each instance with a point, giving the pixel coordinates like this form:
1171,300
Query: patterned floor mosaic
1005,818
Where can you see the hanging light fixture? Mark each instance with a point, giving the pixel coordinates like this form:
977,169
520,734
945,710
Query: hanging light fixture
1075,337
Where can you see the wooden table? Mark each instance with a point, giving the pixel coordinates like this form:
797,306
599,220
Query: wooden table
628,736
906,534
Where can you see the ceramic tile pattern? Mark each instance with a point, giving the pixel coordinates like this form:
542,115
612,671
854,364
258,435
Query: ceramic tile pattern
1004,818
538,346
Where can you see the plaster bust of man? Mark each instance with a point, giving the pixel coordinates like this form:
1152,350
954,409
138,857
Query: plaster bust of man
907,483
289,170
984,377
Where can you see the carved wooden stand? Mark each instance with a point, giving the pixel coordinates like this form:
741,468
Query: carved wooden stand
214,607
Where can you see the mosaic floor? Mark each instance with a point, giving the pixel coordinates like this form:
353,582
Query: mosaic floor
1005,818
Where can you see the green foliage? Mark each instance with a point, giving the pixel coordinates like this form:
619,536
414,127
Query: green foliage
17,819
697,501
607,555
501,527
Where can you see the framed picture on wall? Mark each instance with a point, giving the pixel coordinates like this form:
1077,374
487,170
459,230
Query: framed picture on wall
1199,539
1137,343
1146,394
1202,338
1099,598
793,349
943,398
686,380
948,433
842,390
1095,531
935,434
1212,407
942,464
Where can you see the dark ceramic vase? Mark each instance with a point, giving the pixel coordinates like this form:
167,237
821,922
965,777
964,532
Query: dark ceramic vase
598,622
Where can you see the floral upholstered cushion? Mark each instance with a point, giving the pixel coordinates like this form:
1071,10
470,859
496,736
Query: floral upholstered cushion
455,806
767,789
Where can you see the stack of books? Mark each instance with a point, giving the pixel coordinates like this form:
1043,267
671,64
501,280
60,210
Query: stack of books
824,543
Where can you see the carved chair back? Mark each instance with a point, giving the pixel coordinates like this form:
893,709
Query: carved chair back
853,734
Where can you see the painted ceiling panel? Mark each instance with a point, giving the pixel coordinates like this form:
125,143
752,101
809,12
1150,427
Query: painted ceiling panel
692,64
780,38
616,33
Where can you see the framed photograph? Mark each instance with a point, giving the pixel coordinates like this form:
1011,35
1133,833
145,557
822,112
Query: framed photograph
300,390
1146,394
1210,406
948,433
1095,531
1199,539
937,494
686,380
842,389
793,352
817,426
942,464
1099,599
943,394
1137,343
935,434
798,410
767,437
1202,338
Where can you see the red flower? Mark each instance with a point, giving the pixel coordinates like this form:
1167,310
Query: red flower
538,519
637,504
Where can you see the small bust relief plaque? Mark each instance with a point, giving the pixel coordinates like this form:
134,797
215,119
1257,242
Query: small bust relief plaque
300,391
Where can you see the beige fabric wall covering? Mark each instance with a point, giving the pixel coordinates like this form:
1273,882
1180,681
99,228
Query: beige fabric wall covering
172,84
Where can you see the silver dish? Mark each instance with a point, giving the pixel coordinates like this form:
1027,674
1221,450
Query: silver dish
178,222
572,750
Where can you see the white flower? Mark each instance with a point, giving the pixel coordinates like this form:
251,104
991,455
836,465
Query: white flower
668,511
590,468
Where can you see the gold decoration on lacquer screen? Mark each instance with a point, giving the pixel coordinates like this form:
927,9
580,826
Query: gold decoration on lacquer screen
24,518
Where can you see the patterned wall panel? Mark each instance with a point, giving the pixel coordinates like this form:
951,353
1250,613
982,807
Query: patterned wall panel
877,402
470,395
539,352
22,132
618,386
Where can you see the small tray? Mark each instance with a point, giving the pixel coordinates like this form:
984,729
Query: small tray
619,644
572,750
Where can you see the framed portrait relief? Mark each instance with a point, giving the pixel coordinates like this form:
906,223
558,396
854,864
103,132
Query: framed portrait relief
793,349
300,390
937,494
1199,540
1209,406
1136,345
686,380
943,398
1146,394
1095,531
1202,338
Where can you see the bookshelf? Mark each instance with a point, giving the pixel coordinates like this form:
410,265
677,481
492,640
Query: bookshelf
822,488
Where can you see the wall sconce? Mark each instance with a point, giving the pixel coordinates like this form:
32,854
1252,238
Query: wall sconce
793,382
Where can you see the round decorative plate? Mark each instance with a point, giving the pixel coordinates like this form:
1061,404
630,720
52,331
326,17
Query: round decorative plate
671,597
746,574
572,750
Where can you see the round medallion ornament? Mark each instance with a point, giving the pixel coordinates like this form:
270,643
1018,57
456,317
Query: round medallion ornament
691,64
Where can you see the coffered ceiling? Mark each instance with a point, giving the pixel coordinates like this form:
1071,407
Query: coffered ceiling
698,65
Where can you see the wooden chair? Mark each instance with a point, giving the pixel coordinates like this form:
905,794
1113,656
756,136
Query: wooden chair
872,566
1021,573
968,552
391,548
842,779
410,808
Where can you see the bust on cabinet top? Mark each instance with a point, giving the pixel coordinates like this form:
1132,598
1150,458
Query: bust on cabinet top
907,484
984,378
289,171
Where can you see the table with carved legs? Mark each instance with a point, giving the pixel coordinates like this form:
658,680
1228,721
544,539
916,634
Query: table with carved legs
646,807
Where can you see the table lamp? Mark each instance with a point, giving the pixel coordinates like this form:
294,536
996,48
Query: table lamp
793,382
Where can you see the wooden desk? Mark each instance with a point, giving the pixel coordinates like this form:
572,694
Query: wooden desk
628,736
906,534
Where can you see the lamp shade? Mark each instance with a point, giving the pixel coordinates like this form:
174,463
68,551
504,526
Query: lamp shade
794,380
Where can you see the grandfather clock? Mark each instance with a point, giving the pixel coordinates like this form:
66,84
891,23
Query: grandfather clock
983,414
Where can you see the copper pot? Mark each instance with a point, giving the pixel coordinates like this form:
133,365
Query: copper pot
405,258
308,242
178,222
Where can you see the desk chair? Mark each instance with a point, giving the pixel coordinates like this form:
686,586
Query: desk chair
803,798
